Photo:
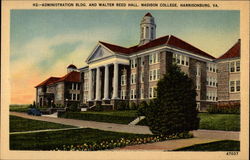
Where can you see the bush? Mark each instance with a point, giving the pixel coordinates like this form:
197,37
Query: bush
133,106
142,108
224,108
92,116
174,109
122,105
73,107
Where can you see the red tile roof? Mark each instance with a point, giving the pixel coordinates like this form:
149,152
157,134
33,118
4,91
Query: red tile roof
70,77
48,81
166,40
232,52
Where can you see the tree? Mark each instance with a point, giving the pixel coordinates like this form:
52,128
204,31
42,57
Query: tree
174,110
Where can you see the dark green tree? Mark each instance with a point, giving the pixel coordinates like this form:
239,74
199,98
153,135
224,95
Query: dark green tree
174,110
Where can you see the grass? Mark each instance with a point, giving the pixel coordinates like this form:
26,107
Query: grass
19,108
120,117
225,122
18,124
56,139
225,145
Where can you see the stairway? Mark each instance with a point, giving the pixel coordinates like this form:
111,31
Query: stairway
137,120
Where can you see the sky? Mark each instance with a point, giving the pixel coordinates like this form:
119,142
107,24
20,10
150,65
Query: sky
44,42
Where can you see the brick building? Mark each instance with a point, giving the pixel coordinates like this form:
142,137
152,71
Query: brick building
115,73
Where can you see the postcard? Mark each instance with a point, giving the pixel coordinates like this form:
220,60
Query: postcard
125,80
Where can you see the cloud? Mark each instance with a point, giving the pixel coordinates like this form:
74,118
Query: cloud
42,57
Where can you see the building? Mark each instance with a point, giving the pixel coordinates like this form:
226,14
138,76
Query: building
60,90
229,75
115,73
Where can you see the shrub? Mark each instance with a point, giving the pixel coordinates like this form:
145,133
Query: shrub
73,107
133,106
224,108
142,108
174,109
122,105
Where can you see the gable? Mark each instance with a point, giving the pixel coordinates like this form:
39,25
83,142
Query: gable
99,53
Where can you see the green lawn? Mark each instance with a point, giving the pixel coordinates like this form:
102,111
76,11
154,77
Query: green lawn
225,122
121,117
56,139
18,124
19,108
225,145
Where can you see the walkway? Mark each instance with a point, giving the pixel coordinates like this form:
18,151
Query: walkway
208,134
89,124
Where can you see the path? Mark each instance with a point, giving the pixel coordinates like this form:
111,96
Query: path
89,124
208,134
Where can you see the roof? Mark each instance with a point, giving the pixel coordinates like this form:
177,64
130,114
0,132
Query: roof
232,52
72,66
169,40
148,15
48,81
70,77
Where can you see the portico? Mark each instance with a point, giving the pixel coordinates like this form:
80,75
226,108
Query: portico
103,80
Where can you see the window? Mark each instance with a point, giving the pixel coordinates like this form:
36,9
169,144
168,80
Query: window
187,61
152,92
123,80
132,94
232,67
150,75
182,60
237,86
142,61
154,74
86,75
232,89
142,93
237,66
174,58
198,72
123,94
133,63
178,58
133,78
198,106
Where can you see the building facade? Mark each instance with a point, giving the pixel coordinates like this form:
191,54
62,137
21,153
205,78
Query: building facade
115,73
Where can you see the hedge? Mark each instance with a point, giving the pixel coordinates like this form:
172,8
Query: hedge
96,117
225,108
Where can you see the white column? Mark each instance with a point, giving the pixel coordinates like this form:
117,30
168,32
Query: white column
115,83
106,83
90,98
98,84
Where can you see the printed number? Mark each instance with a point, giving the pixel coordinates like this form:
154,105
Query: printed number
232,153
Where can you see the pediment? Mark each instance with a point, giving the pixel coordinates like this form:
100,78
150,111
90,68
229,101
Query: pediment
99,53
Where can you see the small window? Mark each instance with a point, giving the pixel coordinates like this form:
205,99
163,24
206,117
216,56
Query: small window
237,86
158,73
238,66
232,89
187,61
232,67
182,60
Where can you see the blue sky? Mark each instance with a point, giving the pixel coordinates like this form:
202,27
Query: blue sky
44,42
